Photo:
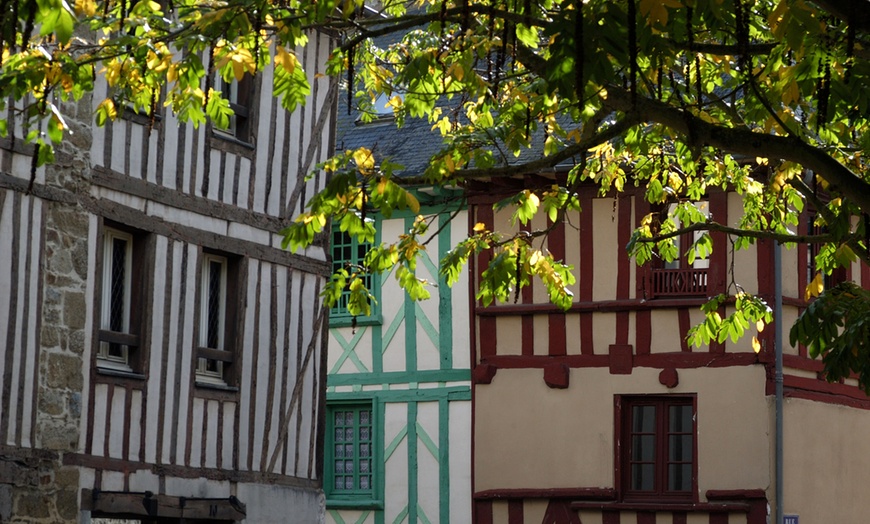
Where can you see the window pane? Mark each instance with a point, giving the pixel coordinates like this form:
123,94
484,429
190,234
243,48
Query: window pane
214,304
643,419
680,419
679,477
643,477
118,285
643,448
680,448
352,451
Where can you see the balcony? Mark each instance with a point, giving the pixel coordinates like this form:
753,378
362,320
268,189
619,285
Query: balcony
691,282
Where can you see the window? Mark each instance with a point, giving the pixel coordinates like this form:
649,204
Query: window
838,275
121,295
217,322
239,94
349,254
381,109
350,453
658,448
679,277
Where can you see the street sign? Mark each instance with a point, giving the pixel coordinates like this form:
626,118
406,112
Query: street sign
790,519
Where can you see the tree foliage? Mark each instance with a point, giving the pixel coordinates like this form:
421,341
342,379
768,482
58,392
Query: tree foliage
677,97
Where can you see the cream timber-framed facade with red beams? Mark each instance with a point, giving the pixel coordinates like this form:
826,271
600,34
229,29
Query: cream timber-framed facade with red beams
162,357
605,414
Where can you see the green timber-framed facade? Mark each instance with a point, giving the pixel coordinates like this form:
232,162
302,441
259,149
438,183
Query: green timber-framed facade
411,366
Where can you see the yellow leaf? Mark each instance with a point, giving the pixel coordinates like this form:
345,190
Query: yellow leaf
815,288
756,345
535,258
656,10
286,59
791,94
759,325
395,102
85,7
480,226
412,202
365,162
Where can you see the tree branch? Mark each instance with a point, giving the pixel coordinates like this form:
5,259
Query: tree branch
745,142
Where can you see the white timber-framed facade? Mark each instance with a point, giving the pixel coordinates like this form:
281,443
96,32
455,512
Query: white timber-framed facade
159,416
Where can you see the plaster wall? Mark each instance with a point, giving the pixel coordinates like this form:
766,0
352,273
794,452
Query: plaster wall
531,436
827,467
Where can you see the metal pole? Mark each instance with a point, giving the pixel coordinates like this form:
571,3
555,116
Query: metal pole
777,319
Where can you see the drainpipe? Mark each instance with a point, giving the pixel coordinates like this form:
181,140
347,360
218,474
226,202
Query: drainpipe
777,319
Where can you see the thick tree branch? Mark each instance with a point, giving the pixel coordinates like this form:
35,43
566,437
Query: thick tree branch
744,142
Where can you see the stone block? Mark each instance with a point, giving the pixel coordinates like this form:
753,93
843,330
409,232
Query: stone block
5,503
58,435
68,504
48,337
64,371
74,309
52,402
33,504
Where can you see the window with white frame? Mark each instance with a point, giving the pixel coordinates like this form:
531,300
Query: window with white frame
118,334
213,353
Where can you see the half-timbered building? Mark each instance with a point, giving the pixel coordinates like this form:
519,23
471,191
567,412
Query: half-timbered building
605,414
398,435
161,357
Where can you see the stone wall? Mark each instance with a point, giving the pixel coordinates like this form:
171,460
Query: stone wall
35,486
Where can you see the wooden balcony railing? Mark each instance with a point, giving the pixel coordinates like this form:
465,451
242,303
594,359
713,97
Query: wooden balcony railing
678,282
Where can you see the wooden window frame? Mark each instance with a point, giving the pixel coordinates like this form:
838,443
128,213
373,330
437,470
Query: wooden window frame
214,367
678,279
240,94
338,315
129,339
837,276
356,497
624,458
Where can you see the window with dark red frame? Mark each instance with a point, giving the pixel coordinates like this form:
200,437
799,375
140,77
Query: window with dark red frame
658,448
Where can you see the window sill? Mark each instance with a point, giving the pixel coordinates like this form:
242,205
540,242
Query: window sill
231,144
119,373
355,503
216,387
346,321
662,505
